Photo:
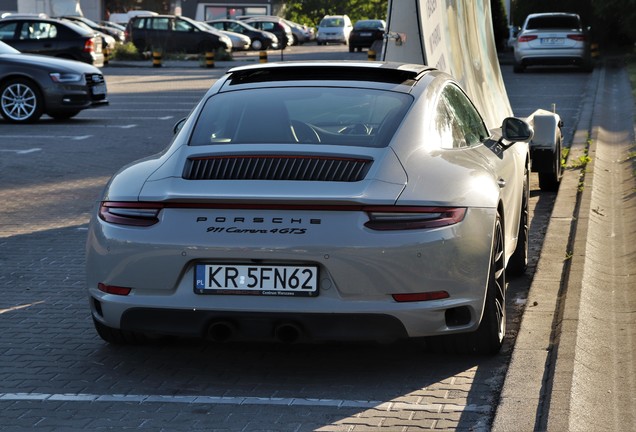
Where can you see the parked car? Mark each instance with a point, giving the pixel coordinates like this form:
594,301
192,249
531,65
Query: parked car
300,32
32,85
123,18
553,39
240,42
108,42
172,33
115,33
114,26
363,201
365,32
261,40
52,37
334,28
276,26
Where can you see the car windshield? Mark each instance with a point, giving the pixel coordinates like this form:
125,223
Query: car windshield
6,49
553,22
332,22
338,116
368,25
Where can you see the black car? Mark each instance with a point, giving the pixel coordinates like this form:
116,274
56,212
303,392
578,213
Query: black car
32,85
172,33
52,37
365,32
260,39
274,25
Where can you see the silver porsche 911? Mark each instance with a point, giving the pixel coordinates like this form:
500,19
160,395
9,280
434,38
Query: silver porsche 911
308,201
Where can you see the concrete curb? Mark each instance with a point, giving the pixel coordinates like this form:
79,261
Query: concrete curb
531,387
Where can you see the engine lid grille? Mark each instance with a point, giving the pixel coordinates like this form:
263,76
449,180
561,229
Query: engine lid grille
295,168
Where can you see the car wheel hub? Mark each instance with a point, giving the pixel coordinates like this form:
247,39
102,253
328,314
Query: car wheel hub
18,102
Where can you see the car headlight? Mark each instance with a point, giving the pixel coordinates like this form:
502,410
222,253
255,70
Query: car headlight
66,77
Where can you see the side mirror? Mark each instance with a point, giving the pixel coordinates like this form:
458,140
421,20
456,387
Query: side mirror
514,130
178,125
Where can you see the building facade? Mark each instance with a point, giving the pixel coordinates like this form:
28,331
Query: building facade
198,9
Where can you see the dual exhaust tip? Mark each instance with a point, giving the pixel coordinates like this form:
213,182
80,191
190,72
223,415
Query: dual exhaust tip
223,331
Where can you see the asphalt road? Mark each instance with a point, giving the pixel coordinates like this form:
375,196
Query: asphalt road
57,374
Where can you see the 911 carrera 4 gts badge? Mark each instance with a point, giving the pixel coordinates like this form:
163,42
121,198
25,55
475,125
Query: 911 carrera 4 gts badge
237,230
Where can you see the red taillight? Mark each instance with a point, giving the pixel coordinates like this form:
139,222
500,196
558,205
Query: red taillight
89,46
527,38
425,296
388,218
112,289
577,37
130,213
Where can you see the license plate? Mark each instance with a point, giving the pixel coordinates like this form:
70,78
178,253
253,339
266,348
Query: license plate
99,89
256,280
365,34
552,41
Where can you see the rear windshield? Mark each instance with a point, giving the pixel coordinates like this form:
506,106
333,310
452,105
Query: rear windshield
325,115
368,25
553,22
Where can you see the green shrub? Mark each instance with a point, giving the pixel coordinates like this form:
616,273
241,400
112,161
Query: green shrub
126,51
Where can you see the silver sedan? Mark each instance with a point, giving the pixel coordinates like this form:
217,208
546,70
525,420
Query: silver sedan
309,201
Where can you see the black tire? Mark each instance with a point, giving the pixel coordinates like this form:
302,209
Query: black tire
518,262
489,336
518,68
117,336
21,101
549,180
64,115
351,49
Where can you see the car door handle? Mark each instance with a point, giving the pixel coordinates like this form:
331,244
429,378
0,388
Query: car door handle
501,182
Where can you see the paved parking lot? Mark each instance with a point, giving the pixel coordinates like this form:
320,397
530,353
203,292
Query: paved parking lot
55,372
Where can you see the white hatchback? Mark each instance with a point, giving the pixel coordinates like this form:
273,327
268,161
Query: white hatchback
334,28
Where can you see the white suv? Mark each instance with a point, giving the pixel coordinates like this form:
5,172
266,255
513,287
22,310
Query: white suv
334,28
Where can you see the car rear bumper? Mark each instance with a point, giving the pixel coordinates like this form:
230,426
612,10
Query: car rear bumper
550,56
359,272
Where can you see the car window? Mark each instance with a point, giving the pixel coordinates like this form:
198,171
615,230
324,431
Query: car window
183,26
359,117
457,122
161,23
268,26
37,30
139,23
553,22
7,30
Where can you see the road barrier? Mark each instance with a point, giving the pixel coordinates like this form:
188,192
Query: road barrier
371,55
156,59
209,59
262,57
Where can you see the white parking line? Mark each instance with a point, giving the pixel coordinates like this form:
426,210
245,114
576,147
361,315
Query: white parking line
240,400
32,150
71,137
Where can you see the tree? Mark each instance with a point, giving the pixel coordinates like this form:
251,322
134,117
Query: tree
310,12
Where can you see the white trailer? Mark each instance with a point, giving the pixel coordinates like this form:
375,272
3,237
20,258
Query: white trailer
457,37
